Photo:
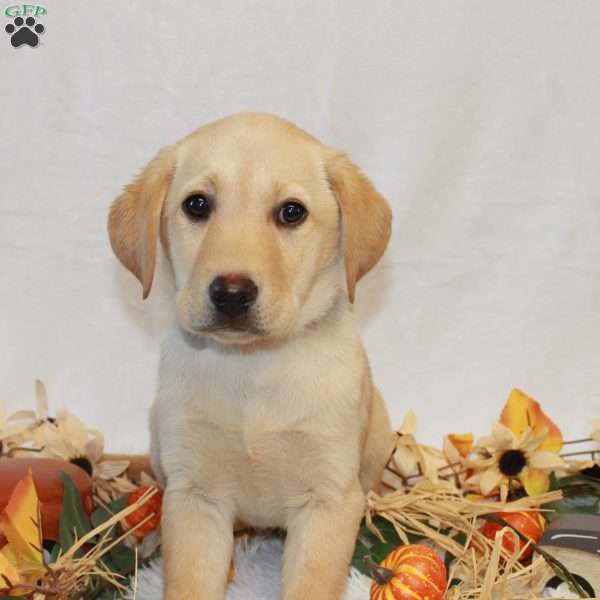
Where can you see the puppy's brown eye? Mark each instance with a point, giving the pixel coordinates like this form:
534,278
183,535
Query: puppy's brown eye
197,207
292,213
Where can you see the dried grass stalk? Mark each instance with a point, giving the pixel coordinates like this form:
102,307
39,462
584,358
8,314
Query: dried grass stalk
444,516
71,574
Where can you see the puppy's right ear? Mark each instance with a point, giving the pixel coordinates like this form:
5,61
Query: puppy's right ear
134,219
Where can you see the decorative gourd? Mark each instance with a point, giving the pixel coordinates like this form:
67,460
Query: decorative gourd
47,477
413,572
527,523
152,506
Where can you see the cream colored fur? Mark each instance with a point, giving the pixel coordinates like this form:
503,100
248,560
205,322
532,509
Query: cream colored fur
280,424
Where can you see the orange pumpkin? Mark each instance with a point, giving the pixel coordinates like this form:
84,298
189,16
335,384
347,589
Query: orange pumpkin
152,506
49,486
413,572
530,524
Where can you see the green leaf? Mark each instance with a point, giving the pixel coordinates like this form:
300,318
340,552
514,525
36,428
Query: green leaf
581,494
586,504
377,552
574,481
123,558
73,520
368,544
101,514
386,529
460,538
107,595
553,482
381,550
97,588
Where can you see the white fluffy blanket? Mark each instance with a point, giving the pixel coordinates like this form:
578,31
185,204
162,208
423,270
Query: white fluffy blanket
257,575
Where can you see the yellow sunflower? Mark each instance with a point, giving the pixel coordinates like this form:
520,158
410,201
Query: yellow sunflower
504,456
67,438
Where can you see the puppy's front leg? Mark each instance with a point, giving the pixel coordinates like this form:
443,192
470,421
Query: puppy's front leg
319,546
197,540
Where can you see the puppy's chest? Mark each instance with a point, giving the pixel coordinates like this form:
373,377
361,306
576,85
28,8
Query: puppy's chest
255,410
261,447
270,430
295,388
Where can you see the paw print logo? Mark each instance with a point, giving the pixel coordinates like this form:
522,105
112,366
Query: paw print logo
24,32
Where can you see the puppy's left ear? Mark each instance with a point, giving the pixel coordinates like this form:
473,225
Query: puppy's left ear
366,218
134,219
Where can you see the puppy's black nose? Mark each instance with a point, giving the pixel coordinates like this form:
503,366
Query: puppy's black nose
232,294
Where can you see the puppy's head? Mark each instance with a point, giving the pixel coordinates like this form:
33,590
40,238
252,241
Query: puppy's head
264,226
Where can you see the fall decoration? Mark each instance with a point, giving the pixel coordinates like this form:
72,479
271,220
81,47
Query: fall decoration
447,509
458,445
507,457
47,477
147,517
523,447
447,518
459,500
410,459
64,437
522,412
84,557
530,524
21,560
413,572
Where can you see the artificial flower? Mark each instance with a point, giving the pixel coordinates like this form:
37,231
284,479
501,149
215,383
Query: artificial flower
20,427
504,456
11,434
522,412
66,438
40,414
458,446
412,459
406,457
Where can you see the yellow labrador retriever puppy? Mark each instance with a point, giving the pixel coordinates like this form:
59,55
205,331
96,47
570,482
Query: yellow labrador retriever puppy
265,410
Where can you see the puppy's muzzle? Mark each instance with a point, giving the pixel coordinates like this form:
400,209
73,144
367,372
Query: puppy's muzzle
232,295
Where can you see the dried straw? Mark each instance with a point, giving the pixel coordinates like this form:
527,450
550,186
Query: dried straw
71,573
444,516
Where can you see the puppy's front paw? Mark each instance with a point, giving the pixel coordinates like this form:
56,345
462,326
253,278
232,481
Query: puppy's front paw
197,546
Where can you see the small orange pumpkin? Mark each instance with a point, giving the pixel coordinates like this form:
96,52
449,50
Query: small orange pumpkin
413,572
49,485
152,506
528,523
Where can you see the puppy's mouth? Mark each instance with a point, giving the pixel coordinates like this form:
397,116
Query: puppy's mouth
232,332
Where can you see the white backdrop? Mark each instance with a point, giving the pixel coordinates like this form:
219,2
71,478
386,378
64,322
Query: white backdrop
480,121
